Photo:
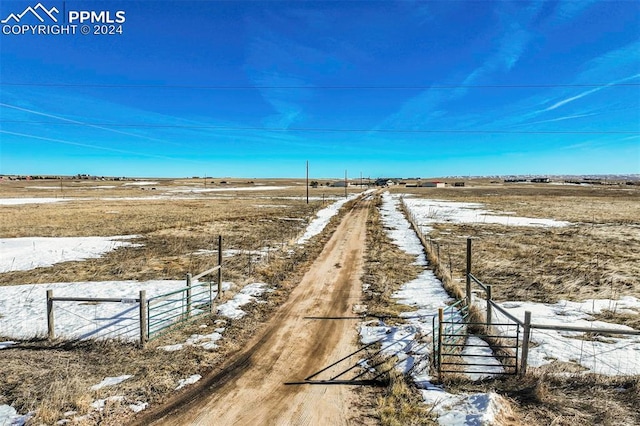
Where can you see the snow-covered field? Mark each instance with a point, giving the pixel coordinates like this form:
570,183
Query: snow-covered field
608,355
428,211
23,254
619,355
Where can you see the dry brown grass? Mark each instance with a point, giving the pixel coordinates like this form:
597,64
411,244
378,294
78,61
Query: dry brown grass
596,257
401,405
552,398
387,268
170,232
54,378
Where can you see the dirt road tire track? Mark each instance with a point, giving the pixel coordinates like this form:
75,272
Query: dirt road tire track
251,388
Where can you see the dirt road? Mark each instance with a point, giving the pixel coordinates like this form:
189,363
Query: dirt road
305,335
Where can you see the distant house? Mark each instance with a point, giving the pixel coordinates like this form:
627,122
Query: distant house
458,184
433,184
541,180
386,182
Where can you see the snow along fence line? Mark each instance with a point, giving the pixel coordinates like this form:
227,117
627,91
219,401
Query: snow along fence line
158,313
489,309
527,327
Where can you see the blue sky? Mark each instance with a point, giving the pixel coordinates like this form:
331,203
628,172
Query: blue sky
382,88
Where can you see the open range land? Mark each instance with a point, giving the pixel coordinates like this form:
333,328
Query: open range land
306,285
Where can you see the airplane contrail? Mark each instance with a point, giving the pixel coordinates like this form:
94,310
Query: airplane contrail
85,145
81,123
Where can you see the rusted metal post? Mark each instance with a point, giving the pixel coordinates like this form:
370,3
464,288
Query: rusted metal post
219,269
50,332
144,324
468,286
440,319
189,295
525,342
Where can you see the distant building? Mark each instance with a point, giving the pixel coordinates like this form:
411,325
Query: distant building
433,184
385,182
541,180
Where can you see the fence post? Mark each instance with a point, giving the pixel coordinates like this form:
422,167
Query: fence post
440,319
50,333
189,294
468,287
489,313
144,331
525,342
220,267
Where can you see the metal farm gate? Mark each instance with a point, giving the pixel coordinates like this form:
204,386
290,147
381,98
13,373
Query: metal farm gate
452,330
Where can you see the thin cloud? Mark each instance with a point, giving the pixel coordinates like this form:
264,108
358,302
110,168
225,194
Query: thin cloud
587,93
568,117
85,145
76,122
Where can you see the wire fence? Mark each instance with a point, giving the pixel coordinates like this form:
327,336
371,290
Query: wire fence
609,351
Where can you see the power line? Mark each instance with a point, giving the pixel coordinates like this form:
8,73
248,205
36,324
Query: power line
329,87
320,129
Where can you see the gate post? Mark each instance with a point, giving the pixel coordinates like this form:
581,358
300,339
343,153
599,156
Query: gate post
189,294
144,331
440,319
50,332
489,313
220,267
468,282
526,334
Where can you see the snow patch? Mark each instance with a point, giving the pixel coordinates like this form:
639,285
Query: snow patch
10,417
110,381
23,254
248,294
21,201
188,381
322,219
428,212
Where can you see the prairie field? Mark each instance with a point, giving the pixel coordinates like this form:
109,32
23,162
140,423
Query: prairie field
173,227
175,224
594,256
174,233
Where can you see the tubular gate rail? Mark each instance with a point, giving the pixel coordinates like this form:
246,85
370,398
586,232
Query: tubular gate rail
451,335
119,331
181,305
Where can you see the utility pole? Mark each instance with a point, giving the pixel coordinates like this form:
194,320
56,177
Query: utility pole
345,184
307,181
